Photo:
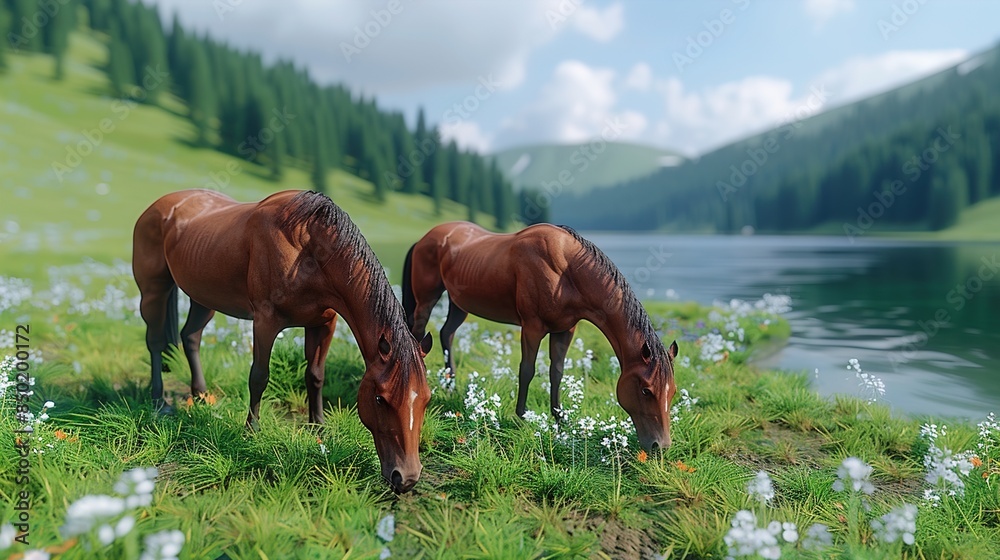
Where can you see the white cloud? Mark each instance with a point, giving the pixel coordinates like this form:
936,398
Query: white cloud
860,77
576,105
822,11
639,78
601,26
468,135
397,54
699,120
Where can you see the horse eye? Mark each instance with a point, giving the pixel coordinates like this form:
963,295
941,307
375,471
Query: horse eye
646,392
379,399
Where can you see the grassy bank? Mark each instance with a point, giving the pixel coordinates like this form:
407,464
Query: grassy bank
493,486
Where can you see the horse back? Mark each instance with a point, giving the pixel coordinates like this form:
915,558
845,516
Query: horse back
506,277
209,242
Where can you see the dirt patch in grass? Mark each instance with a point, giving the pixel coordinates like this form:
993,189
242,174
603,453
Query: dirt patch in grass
617,540
776,447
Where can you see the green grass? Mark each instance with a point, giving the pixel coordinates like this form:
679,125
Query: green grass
486,492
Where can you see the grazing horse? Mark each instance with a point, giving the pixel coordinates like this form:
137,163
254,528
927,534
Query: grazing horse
546,279
293,259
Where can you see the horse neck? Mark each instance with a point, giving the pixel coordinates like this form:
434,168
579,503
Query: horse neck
609,316
359,310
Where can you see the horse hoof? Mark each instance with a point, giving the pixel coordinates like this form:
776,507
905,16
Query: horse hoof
165,410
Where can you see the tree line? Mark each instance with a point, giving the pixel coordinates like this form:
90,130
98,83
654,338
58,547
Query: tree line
273,115
910,158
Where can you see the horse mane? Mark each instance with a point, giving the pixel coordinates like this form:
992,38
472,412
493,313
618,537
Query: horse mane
310,209
635,313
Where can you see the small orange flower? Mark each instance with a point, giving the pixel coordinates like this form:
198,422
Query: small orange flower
683,468
643,456
60,434
209,398
189,402
461,439
976,462
319,441
986,475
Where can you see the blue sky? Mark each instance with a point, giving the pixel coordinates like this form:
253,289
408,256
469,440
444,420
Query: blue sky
530,71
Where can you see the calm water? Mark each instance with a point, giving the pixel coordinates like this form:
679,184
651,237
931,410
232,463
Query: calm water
879,301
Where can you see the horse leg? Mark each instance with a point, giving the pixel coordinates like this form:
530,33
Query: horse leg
558,346
264,333
198,318
456,316
531,338
422,314
317,344
153,308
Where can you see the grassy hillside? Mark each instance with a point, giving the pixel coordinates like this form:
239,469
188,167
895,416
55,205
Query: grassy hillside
90,210
617,162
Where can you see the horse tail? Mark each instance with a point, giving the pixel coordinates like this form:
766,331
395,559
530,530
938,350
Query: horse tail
171,326
409,299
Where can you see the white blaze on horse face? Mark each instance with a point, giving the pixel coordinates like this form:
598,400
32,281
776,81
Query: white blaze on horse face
413,398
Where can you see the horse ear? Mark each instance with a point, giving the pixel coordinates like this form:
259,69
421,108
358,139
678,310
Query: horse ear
383,347
425,345
647,354
672,351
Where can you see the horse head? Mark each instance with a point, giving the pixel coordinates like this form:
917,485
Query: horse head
391,403
645,390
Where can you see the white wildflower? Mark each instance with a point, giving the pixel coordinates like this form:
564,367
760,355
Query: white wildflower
852,475
165,545
386,528
83,514
745,538
817,537
898,523
7,536
760,488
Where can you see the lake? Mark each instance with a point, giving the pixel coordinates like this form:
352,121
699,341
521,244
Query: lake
920,315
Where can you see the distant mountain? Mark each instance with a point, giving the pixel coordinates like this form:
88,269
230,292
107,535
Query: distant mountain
584,167
912,158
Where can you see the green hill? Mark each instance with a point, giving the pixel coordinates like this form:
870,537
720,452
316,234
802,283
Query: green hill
590,167
934,142
65,195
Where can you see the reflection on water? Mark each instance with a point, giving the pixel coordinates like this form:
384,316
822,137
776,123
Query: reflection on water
923,316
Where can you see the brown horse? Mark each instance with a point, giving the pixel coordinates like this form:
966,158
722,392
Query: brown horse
546,279
293,259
